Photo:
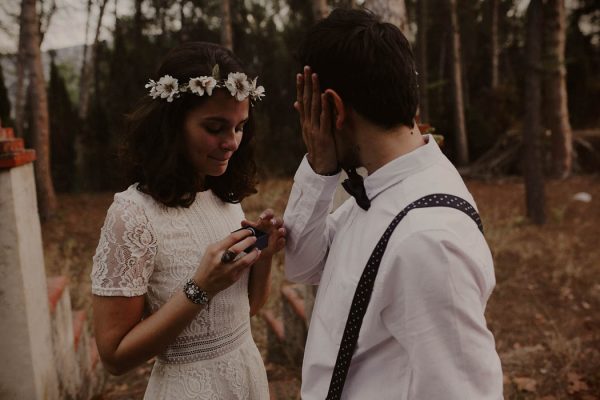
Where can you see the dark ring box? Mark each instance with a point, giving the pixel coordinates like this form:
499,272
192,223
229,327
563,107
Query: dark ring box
262,239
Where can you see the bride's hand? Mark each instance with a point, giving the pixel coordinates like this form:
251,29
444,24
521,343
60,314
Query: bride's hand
215,272
273,226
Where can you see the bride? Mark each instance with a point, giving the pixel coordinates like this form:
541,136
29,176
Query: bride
169,279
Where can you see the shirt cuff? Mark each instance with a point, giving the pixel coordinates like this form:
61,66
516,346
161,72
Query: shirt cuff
320,186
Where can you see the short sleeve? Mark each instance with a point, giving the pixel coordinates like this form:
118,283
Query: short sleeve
124,259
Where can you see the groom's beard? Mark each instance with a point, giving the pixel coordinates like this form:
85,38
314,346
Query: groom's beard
347,152
350,159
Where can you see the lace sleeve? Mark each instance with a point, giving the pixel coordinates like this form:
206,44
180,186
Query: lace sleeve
124,259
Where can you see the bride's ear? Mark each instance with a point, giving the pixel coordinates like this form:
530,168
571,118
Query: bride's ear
338,109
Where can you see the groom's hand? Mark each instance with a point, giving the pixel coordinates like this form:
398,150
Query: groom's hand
315,119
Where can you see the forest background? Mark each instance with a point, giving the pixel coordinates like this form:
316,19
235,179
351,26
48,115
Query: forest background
513,86
476,48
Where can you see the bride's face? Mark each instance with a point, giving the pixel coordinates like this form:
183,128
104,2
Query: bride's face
213,132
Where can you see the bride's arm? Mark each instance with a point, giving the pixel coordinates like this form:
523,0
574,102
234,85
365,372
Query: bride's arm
125,340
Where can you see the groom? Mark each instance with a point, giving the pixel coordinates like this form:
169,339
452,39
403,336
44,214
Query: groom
419,308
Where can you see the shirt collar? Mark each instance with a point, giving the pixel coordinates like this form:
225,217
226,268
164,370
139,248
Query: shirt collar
402,167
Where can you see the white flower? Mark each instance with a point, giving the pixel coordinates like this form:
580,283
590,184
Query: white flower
238,85
202,84
152,85
256,93
167,87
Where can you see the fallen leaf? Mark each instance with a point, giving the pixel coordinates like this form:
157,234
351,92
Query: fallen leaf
584,197
586,305
525,384
576,384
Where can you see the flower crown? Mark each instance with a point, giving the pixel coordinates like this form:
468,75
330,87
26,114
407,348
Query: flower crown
237,83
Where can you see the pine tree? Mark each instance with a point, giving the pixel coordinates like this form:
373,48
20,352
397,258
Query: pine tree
63,125
532,132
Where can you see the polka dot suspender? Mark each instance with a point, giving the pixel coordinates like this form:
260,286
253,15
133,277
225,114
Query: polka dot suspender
362,295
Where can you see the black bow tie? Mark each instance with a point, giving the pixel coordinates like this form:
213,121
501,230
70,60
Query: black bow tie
355,187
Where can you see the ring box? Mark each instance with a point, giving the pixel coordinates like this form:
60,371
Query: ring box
262,239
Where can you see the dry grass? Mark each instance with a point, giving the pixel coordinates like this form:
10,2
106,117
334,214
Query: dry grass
544,312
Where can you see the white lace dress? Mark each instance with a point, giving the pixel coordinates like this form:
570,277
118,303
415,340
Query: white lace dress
148,249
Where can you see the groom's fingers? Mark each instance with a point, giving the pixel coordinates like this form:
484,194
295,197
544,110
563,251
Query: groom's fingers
267,214
325,112
299,105
306,95
315,111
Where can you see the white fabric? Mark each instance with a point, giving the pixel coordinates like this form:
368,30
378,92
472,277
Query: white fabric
424,335
148,249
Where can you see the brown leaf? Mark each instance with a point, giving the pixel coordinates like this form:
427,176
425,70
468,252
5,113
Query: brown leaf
576,384
525,384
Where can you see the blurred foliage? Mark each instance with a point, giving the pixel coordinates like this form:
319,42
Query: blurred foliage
266,34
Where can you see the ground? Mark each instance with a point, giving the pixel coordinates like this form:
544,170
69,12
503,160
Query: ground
544,312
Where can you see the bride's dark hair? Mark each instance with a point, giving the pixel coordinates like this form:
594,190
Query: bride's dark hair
154,148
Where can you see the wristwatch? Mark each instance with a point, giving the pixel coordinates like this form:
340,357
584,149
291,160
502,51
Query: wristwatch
194,293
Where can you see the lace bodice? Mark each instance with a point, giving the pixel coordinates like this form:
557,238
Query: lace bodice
149,249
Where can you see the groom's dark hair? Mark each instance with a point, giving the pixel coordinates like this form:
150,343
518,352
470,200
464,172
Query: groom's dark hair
369,63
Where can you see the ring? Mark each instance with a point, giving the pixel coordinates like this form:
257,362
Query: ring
228,256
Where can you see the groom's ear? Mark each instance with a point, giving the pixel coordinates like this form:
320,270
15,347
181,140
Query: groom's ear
337,108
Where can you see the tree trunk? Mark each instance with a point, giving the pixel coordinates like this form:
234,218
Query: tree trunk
441,68
21,90
95,46
320,9
21,73
138,23
182,17
460,131
47,17
422,58
532,132
556,89
392,11
226,28
40,122
84,78
495,49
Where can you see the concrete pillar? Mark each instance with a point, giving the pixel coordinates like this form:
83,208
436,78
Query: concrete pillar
28,368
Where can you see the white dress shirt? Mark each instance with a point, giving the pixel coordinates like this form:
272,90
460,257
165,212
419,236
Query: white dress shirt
424,334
